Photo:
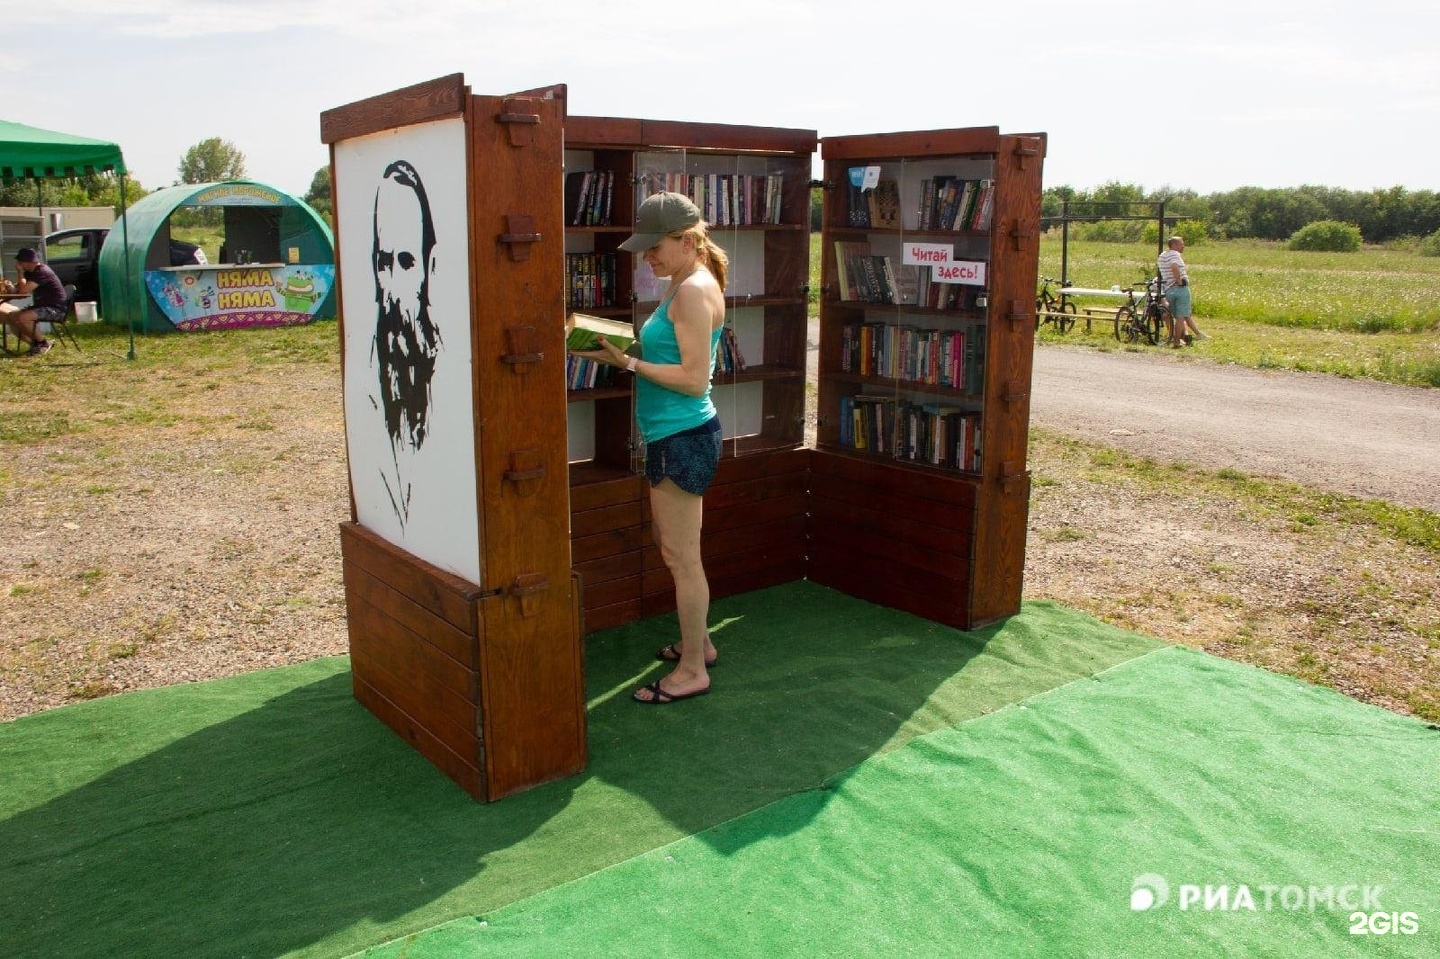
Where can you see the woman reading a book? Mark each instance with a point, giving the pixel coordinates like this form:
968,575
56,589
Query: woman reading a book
677,418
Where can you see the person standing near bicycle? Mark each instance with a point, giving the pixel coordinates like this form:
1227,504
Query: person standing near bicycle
1175,287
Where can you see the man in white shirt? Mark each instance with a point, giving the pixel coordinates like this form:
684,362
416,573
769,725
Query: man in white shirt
1175,286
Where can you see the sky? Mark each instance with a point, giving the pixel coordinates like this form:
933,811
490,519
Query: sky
1209,95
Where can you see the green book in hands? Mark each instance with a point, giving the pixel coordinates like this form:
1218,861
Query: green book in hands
582,333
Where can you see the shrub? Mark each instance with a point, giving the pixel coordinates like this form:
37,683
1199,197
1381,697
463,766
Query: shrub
1195,232
1328,236
1430,246
1106,231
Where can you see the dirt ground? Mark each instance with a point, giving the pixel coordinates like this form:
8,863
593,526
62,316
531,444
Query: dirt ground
155,554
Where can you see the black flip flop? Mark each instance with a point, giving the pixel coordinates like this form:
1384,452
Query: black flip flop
671,654
661,698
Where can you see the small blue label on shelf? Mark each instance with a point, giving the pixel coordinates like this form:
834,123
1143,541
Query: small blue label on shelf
864,177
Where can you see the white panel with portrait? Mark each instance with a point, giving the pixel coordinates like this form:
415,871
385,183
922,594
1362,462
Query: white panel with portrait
401,208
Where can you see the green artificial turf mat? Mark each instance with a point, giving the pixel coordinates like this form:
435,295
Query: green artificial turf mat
269,814
1028,832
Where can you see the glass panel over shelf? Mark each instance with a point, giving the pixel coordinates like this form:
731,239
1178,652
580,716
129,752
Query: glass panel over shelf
599,193
909,265
758,385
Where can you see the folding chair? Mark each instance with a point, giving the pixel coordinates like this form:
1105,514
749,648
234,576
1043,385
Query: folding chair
61,327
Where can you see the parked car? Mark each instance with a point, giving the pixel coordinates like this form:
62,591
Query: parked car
74,255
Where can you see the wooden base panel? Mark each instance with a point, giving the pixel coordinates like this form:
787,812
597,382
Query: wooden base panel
894,536
754,536
417,645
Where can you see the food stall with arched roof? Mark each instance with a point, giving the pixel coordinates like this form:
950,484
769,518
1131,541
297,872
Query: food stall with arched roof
277,262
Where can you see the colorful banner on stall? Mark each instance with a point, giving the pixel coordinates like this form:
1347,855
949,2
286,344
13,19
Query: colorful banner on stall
226,297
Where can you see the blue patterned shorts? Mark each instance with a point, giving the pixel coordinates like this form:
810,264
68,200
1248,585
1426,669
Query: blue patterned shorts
689,457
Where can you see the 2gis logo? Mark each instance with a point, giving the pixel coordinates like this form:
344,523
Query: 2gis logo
1383,923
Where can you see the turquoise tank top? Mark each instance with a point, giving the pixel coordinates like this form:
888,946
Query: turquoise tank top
661,411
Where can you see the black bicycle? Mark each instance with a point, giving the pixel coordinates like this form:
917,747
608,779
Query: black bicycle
1052,309
1145,320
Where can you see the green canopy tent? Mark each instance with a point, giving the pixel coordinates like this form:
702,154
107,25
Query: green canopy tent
30,153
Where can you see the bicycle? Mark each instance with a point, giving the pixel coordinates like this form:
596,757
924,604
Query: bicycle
1157,312
1051,309
1143,320
1146,319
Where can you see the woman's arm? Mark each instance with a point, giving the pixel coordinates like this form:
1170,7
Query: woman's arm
691,313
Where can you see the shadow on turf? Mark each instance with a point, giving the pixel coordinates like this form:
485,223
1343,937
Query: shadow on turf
305,817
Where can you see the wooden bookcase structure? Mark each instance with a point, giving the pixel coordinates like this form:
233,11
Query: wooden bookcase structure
942,542
755,531
946,542
485,678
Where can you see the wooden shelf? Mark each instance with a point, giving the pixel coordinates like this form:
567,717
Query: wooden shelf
755,510
598,393
753,374
906,233
752,445
864,457
909,309
588,474
973,575
905,386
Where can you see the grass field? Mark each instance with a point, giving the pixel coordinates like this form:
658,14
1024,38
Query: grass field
1372,314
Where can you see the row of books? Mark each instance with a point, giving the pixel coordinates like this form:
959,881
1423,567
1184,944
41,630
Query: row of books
950,358
724,199
872,278
589,197
590,280
730,359
952,203
935,434
864,276
876,208
585,374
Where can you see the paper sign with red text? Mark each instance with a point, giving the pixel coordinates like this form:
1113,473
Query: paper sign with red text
969,272
926,254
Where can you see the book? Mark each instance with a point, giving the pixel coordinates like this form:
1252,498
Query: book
885,205
907,284
846,254
887,281
574,187
986,206
582,332
859,204
965,206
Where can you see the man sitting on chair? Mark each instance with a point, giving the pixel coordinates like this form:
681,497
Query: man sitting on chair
47,298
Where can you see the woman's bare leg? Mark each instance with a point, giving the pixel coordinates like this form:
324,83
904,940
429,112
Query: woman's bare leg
676,516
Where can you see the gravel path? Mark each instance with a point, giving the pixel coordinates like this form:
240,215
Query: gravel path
142,553
1349,436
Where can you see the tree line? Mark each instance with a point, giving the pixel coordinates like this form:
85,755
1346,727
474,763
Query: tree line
1248,212
209,161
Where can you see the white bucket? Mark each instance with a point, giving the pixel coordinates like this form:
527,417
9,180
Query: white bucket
85,311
